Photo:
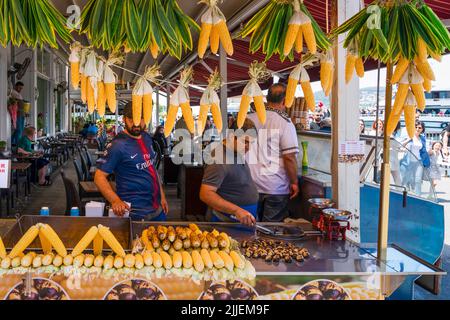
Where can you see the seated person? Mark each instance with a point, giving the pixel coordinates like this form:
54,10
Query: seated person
227,186
24,147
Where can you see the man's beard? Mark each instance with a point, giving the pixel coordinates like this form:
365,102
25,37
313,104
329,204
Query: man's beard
135,131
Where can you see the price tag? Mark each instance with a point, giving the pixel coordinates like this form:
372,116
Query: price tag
5,174
351,151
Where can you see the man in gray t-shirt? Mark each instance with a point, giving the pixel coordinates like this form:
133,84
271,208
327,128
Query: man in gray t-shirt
227,186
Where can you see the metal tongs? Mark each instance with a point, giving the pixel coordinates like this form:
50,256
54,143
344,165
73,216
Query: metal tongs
265,230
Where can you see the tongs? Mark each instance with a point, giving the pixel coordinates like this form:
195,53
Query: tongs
265,230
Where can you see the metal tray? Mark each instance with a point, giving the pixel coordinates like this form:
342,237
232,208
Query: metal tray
69,229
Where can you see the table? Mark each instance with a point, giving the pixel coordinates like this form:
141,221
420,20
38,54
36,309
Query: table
32,158
89,189
24,167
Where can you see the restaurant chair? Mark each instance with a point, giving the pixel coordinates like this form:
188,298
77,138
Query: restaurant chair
78,170
84,167
89,160
72,196
159,154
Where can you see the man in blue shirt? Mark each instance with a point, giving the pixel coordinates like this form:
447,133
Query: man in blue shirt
130,156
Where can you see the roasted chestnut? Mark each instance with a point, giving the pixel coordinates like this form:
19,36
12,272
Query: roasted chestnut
127,294
112,295
150,293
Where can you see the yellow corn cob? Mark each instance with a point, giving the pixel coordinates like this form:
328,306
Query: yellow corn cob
422,52
85,241
400,97
187,259
110,93
57,261
83,88
78,261
193,227
225,37
98,261
26,260
154,49
97,244
118,262
410,119
101,98
427,84
299,41
170,121
216,259
349,67
54,239
214,39
188,117
419,94
88,260
2,249
147,108
157,260
204,39
290,91
137,108
144,239
37,261
424,69
68,260
217,116
177,259
108,263
166,259
215,233
309,95
330,84
129,261
111,240
229,264
325,73
310,38
139,262
206,258
359,67
243,109
6,263
15,263
47,259
237,260
24,242
202,116
227,239
436,56
75,74
45,244
260,108
291,37
392,122
400,70
90,97
198,261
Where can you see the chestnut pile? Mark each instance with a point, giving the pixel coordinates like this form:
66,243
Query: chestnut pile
274,251
321,290
135,290
41,289
229,290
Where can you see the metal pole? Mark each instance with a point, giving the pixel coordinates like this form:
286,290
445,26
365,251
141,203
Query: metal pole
376,178
383,219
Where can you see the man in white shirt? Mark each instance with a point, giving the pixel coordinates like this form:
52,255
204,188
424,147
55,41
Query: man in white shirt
273,159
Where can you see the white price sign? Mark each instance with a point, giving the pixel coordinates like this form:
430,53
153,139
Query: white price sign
5,174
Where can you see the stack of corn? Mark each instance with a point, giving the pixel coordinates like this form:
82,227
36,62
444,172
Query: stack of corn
210,101
299,74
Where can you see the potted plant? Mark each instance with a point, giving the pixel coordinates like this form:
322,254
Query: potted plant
2,146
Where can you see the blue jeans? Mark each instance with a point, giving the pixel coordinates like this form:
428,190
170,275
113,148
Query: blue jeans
148,217
413,176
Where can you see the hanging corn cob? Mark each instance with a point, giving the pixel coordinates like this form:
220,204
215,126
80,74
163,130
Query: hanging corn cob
151,74
109,80
74,59
299,74
90,70
281,26
327,71
214,27
258,73
101,94
409,112
416,85
353,62
180,99
210,101
83,77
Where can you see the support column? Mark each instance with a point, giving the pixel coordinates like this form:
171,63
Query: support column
345,119
5,122
224,88
157,107
30,82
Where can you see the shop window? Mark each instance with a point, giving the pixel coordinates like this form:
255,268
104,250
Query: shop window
43,62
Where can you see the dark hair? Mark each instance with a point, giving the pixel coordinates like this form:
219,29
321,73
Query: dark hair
128,110
421,123
157,130
432,145
397,127
19,83
29,131
276,98
364,124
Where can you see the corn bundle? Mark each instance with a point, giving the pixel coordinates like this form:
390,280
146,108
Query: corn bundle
83,77
258,73
141,88
409,111
410,80
101,94
299,74
74,59
90,71
327,71
210,101
110,79
281,27
180,99
353,63
214,29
